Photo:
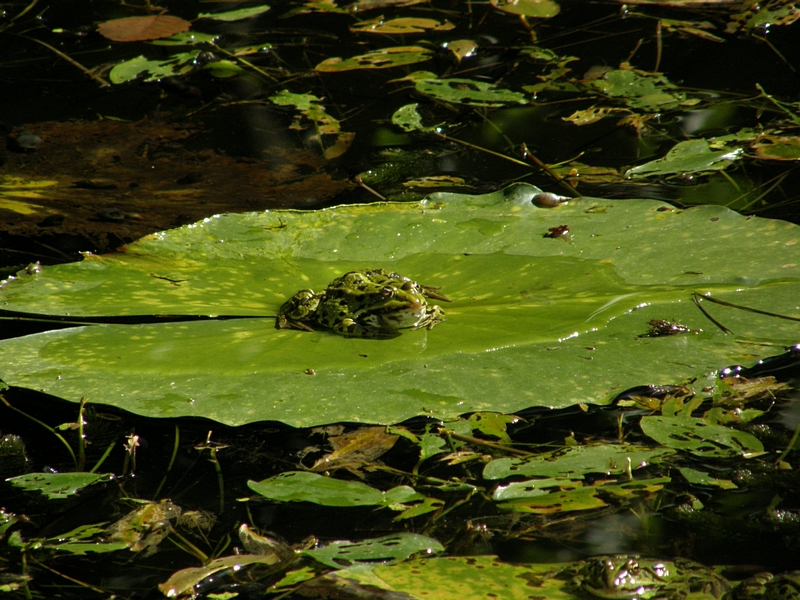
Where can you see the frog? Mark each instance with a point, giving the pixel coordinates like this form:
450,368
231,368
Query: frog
371,303
766,586
630,577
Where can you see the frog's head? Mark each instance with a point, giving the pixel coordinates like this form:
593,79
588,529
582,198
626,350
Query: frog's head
623,577
386,301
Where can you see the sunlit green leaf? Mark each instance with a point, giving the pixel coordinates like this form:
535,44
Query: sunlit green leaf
577,462
473,578
700,437
187,38
527,312
156,69
235,15
57,485
690,156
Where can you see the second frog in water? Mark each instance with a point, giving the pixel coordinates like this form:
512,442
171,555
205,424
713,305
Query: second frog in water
371,303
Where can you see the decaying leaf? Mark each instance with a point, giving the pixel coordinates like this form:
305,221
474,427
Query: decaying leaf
137,29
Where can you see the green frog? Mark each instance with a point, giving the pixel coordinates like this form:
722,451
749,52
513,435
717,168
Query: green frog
766,586
626,577
370,303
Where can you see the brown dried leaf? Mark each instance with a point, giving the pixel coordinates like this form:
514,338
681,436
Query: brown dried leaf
137,29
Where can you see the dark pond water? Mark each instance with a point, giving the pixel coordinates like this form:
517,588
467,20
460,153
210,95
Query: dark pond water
137,157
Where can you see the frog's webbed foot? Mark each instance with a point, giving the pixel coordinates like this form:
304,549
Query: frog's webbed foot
430,291
435,316
351,328
283,323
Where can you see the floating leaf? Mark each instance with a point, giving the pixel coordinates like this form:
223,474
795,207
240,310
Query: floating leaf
640,90
235,15
137,29
181,583
188,38
388,549
690,156
302,486
57,485
157,69
467,91
473,578
401,26
543,9
700,437
777,147
527,312
700,478
576,463
377,59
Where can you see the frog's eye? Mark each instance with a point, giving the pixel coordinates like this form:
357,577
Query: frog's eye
387,291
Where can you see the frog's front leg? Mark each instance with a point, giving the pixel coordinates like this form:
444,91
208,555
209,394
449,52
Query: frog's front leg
349,328
435,315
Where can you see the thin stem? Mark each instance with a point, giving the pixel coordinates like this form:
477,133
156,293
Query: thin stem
188,546
45,425
81,440
70,60
171,461
488,444
104,457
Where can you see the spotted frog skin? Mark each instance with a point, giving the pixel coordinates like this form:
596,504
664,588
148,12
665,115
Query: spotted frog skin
371,303
625,577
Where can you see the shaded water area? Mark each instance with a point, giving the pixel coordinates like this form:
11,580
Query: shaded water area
108,141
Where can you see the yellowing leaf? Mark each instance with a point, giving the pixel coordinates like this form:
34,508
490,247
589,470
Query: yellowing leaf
401,26
528,8
378,59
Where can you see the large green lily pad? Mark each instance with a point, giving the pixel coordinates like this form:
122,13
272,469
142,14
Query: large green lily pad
534,321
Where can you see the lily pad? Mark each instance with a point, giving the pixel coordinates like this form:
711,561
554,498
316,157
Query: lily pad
533,321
